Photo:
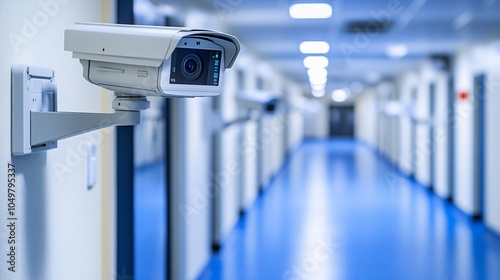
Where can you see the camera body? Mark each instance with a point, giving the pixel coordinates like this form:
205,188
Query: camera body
134,62
152,61
260,101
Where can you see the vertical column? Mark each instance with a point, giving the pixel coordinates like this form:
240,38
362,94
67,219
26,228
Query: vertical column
125,175
176,182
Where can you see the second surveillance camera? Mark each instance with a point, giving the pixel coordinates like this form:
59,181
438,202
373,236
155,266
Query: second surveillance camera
152,61
260,101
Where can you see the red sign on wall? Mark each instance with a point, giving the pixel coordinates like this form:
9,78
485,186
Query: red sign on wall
463,95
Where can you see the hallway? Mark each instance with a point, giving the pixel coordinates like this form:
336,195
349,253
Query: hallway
337,210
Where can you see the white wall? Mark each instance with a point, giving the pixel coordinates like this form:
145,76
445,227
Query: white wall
395,126
366,118
198,183
478,59
277,125
249,158
417,159
414,154
249,144
316,119
268,138
296,132
441,136
295,118
229,166
492,176
273,127
58,232
463,165
232,169
388,122
423,138
405,85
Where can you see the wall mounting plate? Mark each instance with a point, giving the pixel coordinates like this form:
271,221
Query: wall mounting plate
36,123
33,89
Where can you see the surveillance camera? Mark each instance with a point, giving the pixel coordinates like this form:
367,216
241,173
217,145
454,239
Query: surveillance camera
152,61
133,61
261,101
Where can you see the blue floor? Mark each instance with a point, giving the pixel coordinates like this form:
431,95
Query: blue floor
338,211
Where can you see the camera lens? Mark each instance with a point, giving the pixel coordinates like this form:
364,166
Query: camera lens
192,67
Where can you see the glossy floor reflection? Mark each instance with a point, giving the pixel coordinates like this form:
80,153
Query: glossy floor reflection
338,211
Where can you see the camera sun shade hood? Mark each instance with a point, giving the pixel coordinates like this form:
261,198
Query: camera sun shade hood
138,45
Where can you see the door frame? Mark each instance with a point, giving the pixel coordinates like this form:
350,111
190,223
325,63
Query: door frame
479,138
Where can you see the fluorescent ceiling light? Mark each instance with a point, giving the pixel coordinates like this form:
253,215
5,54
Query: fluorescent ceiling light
316,62
317,72
311,11
318,86
339,95
318,93
314,47
317,80
397,51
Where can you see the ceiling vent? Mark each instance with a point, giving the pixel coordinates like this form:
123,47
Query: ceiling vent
368,26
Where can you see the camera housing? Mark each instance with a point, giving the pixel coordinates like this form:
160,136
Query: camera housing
260,101
134,62
152,61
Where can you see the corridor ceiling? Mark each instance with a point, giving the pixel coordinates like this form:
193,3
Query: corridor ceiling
359,33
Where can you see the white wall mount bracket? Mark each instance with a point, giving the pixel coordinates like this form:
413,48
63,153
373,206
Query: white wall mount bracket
36,123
